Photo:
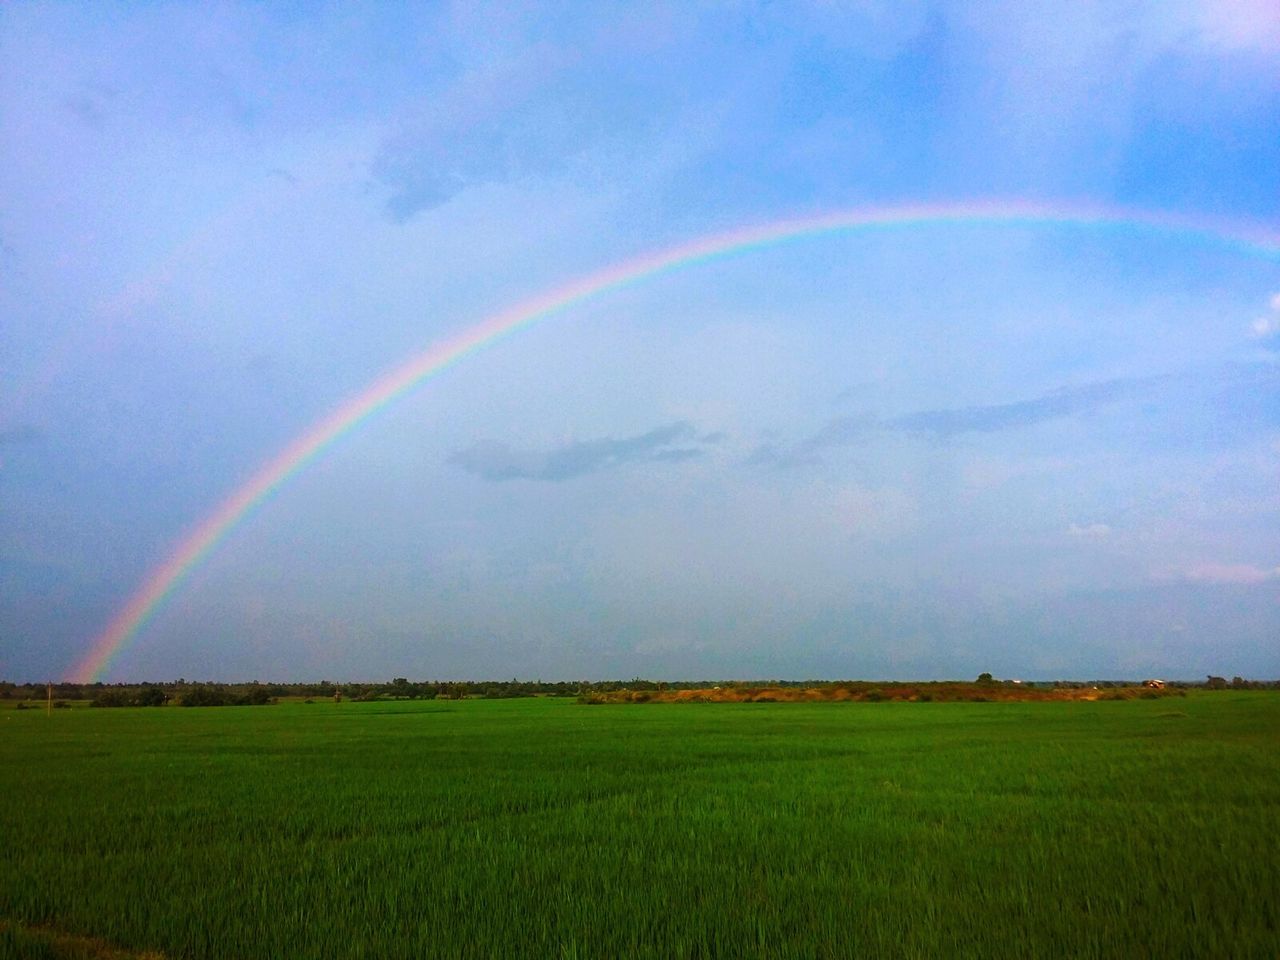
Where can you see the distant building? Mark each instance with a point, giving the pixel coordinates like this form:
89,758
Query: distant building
1154,684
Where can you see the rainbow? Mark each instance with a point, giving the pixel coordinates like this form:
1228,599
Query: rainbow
161,582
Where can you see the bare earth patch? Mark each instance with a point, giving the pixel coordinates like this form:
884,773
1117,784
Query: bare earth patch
65,946
871,692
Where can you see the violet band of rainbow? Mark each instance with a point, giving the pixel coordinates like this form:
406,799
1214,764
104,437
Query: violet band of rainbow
162,581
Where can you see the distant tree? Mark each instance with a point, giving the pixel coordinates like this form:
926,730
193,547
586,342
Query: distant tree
985,678
201,695
111,697
150,696
256,696
400,688
1216,683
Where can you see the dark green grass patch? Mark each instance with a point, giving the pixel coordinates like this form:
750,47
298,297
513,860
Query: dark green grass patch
544,828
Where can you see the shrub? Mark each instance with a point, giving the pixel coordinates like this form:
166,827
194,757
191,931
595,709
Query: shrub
111,697
151,697
256,697
202,696
148,696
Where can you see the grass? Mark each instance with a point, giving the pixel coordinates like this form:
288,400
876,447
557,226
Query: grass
542,827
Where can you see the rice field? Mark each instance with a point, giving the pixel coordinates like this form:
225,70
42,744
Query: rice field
547,828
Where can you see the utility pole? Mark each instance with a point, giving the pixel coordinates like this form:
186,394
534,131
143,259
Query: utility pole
48,710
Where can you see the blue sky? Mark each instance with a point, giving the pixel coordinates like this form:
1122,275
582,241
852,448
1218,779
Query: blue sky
1033,450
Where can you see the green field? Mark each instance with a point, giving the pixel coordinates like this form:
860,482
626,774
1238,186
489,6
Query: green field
545,828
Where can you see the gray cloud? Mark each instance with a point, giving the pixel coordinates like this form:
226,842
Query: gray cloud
491,127
423,172
842,431
674,443
1064,402
838,432
679,455
88,103
782,457
945,423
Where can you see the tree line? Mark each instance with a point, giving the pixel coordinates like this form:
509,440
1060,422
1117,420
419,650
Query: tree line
182,692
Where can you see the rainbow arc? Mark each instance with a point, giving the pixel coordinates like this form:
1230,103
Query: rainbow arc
162,581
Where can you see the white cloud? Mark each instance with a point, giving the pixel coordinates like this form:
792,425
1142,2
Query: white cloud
1232,25
1267,325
